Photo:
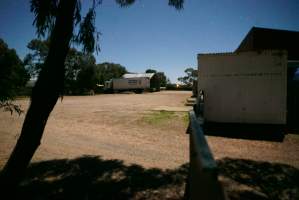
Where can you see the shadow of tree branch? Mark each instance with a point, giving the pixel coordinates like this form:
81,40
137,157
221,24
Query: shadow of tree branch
90,177
256,180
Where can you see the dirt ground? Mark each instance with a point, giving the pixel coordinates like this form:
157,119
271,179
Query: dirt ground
126,129
109,125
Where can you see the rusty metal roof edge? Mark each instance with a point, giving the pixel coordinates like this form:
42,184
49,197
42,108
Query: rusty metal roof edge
264,52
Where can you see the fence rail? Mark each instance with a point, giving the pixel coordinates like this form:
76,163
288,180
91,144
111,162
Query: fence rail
203,181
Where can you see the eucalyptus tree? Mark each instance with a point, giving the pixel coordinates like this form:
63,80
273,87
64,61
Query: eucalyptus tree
191,75
59,20
13,77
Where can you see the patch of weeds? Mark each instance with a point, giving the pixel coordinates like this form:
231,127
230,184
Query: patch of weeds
158,117
163,117
185,117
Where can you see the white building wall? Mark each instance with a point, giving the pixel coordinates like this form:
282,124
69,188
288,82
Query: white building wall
246,87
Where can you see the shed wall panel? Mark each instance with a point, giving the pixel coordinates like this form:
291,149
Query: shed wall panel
246,87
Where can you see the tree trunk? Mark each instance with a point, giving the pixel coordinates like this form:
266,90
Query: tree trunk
44,97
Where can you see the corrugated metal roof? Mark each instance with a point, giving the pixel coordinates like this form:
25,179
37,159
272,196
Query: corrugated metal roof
217,53
139,75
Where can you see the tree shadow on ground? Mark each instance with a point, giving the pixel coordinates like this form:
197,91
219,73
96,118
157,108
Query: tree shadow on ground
254,180
91,177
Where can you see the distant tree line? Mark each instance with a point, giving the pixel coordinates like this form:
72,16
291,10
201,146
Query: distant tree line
186,82
82,74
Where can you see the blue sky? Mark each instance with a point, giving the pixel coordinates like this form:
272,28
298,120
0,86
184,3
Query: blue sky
150,34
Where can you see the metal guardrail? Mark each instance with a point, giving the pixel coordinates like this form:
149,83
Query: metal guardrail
203,181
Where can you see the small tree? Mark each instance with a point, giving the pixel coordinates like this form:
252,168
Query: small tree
107,71
150,71
161,78
191,75
34,60
73,65
13,77
86,78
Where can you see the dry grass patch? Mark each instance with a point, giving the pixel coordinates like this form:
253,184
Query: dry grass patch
163,117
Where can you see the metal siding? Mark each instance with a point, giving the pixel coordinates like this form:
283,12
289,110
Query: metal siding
245,87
